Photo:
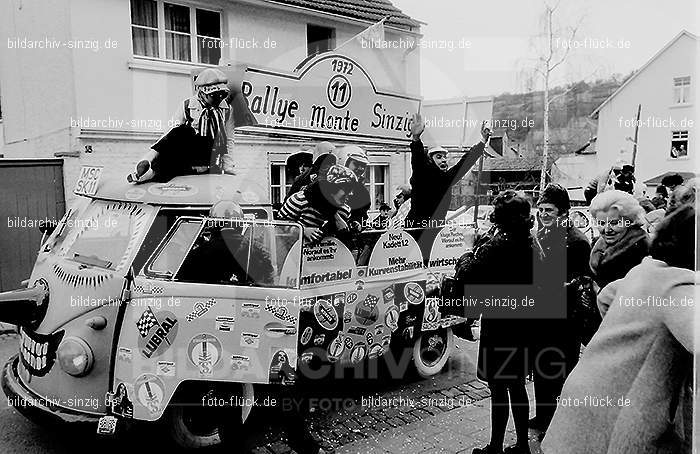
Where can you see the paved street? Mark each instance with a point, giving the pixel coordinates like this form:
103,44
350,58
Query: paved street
448,413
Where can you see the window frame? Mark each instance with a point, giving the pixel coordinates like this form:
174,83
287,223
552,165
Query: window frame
372,183
333,39
682,135
152,274
685,90
193,34
283,186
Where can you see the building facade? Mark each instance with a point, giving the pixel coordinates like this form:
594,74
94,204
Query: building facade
96,82
666,89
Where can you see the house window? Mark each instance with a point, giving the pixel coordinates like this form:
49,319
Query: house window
144,27
175,32
281,181
319,39
679,144
208,37
681,90
378,184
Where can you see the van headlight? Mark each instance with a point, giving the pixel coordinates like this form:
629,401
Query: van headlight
75,356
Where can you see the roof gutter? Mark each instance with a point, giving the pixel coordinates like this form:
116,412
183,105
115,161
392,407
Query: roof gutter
325,15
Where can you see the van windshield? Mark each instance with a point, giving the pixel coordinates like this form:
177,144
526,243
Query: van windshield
105,234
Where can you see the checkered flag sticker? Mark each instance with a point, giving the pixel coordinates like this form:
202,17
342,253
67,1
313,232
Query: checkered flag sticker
146,322
107,425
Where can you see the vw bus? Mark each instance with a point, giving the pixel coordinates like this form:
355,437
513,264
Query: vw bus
140,302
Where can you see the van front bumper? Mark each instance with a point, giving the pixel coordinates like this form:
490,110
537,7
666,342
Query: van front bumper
37,408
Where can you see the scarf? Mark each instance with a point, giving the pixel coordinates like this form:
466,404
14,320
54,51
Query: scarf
211,124
602,253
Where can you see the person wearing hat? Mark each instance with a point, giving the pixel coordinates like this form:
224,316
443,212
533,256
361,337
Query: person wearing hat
299,162
557,341
355,159
321,207
323,157
197,141
432,178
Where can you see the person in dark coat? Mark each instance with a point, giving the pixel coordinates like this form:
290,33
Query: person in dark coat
506,260
432,178
623,242
431,184
228,253
557,342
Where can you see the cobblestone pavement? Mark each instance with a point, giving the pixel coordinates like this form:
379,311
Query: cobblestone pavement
449,431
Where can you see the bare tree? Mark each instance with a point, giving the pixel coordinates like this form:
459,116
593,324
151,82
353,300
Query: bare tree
553,45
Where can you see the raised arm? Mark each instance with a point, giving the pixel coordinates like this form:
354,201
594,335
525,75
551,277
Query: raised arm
460,169
419,158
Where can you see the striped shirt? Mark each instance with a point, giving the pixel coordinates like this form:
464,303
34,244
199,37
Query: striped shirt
297,208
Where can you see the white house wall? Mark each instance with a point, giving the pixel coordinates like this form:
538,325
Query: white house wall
41,96
653,88
37,99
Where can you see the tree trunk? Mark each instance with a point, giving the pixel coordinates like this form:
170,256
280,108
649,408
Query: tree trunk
545,145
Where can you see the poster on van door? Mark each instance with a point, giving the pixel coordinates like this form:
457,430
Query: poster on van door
330,94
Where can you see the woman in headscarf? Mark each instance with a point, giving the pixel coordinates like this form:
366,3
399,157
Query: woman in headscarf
629,394
505,262
197,142
623,242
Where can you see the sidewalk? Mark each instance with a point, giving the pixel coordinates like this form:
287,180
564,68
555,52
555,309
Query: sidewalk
456,430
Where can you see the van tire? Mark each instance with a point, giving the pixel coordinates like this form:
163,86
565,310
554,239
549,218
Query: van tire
432,350
180,420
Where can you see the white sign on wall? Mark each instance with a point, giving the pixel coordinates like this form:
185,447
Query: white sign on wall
331,94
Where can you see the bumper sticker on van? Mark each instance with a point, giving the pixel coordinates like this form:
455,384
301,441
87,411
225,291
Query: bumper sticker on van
251,310
204,351
240,362
157,332
225,323
120,403
165,368
149,392
200,308
124,354
250,340
38,351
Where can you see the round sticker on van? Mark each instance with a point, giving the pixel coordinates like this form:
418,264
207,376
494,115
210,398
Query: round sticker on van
414,293
325,314
135,194
150,392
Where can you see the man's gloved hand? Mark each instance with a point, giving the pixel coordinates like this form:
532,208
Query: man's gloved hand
485,132
417,126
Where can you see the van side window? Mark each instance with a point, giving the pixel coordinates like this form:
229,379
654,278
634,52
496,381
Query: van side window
178,242
235,252
164,221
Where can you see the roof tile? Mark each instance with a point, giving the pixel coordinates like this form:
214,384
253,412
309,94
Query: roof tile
369,10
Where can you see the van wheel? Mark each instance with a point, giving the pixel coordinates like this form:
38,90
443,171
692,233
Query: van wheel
190,424
432,350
